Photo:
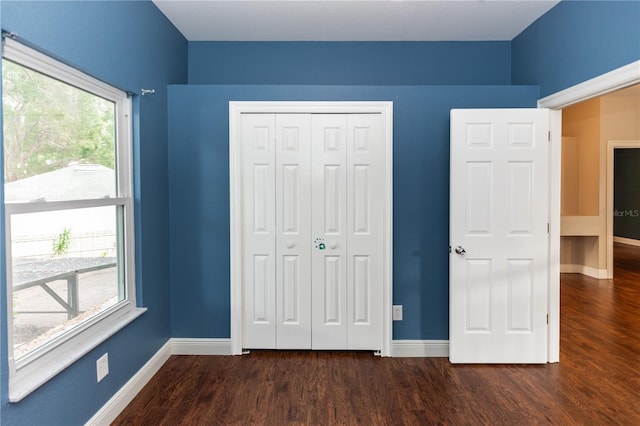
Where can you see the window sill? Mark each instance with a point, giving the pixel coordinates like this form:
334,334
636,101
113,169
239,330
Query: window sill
33,375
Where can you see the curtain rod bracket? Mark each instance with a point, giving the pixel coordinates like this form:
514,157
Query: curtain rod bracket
9,34
147,91
5,34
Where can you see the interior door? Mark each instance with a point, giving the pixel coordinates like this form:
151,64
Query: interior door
499,215
312,231
347,229
276,153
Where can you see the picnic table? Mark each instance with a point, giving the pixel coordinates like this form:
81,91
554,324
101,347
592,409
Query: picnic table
40,272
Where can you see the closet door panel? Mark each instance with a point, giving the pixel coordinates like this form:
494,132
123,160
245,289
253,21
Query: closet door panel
364,231
293,231
329,220
259,228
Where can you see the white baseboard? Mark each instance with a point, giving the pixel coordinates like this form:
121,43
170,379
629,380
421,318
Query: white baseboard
125,395
420,348
181,346
118,402
628,241
600,274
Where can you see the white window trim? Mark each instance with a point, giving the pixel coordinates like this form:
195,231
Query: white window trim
37,367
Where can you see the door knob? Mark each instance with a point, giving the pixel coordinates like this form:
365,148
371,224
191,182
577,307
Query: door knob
460,250
291,244
333,245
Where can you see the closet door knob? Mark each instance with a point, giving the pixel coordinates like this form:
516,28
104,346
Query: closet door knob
291,244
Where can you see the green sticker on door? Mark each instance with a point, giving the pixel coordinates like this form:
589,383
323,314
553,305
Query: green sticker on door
319,242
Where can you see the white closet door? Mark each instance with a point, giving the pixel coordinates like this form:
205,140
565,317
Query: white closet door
364,231
312,224
293,231
259,229
329,223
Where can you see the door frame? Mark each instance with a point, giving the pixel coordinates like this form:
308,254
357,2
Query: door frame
618,78
236,109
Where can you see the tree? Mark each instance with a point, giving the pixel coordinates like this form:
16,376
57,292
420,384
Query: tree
49,124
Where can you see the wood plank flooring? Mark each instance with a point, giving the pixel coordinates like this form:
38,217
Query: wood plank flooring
597,381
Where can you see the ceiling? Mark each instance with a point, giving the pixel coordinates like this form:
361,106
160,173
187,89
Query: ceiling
354,20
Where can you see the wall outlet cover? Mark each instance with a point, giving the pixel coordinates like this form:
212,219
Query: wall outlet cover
102,366
397,312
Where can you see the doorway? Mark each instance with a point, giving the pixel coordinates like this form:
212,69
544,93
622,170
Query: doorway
622,208
241,330
622,77
593,130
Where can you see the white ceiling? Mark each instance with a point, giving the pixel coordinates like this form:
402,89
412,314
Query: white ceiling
354,20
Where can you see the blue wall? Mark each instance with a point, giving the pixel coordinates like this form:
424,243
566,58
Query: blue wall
198,155
130,45
199,192
357,63
576,41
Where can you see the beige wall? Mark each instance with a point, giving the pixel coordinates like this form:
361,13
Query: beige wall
582,122
570,179
620,117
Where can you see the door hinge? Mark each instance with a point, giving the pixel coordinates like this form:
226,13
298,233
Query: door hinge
549,136
547,319
548,228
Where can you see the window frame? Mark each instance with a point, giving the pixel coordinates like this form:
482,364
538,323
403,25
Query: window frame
41,364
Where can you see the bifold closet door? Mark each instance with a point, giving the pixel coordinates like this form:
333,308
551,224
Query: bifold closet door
293,231
347,218
276,223
259,230
312,225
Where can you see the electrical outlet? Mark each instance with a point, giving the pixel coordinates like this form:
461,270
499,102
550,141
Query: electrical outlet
397,312
102,366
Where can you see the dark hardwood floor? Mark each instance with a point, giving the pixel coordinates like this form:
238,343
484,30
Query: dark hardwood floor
597,381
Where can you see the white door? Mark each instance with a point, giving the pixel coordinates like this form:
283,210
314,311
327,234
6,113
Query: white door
312,231
499,215
277,227
347,231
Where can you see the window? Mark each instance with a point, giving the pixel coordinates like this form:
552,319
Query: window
68,214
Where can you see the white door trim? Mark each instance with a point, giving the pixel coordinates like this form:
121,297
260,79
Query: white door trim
611,146
617,79
385,109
